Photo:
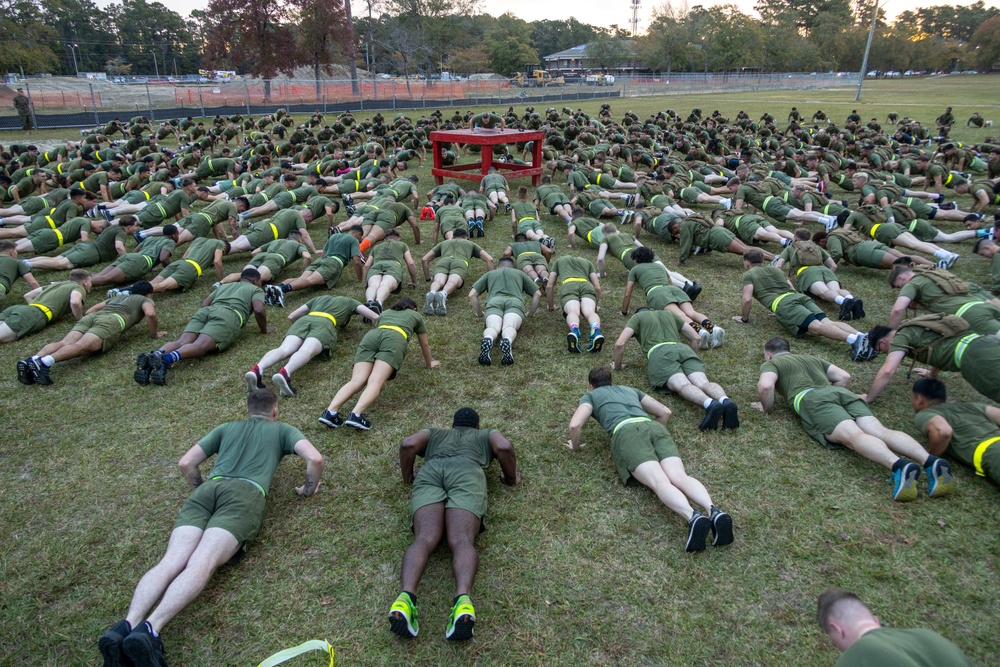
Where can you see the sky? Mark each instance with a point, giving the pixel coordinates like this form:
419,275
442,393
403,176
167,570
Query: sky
595,12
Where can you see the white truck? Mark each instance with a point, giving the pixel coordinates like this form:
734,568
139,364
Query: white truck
599,80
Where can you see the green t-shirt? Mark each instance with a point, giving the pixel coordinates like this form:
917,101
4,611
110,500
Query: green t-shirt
344,246
648,275
202,251
613,404
72,228
341,307
505,282
152,246
409,321
288,249
463,249
461,444
568,266
653,327
797,372
239,297
969,423
394,251
893,647
519,248
496,181
251,448
768,283
105,243
523,210
10,270
549,195
128,307
286,221
317,205
55,297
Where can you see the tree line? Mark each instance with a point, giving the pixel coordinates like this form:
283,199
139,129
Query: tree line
408,37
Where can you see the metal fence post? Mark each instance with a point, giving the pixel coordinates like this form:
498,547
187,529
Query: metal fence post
201,102
149,98
93,101
246,93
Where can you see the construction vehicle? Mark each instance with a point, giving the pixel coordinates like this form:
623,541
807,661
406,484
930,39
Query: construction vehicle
535,77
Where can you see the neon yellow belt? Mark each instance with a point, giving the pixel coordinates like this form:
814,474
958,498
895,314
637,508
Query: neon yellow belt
527,217
874,228
797,401
589,233
803,268
317,313
394,328
121,321
44,309
574,280
777,301
966,306
59,236
146,194
195,264
52,223
767,200
274,230
977,458
630,420
667,342
338,259
163,211
245,479
961,347
238,314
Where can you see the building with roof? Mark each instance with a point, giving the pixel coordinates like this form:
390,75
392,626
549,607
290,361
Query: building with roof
575,62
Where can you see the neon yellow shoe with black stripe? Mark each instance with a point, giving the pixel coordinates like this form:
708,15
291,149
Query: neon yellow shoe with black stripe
403,616
463,618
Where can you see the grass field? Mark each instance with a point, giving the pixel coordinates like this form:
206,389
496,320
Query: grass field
574,569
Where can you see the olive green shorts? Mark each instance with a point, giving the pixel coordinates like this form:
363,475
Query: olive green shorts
197,225
576,291
690,195
24,320
221,324
746,230
719,238
452,266
386,345
135,265
182,271
232,504
778,209
814,274
868,254
636,443
149,217
796,311
529,259
105,326
387,267
529,225
979,364
923,230
667,360
83,254
329,268
822,409
597,206
33,205
451,222
136,197
505,305
258,237
456,482
274,262
661,296
320,328
887,232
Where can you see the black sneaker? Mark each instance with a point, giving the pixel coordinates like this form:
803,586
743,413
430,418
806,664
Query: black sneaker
846,310
24,375
692,290
377,307
722,528
39,372
730,415
858,309
274,295
358,421
144,649
138,237
142,368
861,349
254,380
331,419
713,413
157,369
699,527
284,386
507,350
110,645
484,351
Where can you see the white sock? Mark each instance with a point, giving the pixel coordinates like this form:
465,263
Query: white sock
851,338
839,300
849,296
708,402
47,360
723,399
942,254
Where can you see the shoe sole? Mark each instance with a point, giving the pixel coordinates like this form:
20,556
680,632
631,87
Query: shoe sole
722,529
858,310
327,422
698,535
718,337
710,422
400,626
508,353
573,343
429,304
251,379
157,372
141,374
484,353
137,651
908,489
284,389
357,425
24,375
597,344
730,415
944,485
846,312
111,650
463,628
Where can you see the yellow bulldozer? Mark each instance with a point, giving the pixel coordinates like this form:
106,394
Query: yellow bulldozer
533,77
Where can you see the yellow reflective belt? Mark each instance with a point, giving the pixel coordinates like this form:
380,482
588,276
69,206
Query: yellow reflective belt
826,209
873,229
797,401
317,313
210,167
289,653
394,328
274,230
59,236
801,269
966,306
44,309
121,321
767,200
210,219
950,177
338,259
625,252
374,207
527,217
668,342
149,260
630,420
146,195
736,221
294,198
264,196
464,261
52,223
589,233
526,252
777,301
961,347
599,178
913,225
977,458
238,314
654,287
163,211
195,265
574,280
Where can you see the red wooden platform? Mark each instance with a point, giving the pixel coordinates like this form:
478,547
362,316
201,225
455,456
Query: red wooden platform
487,139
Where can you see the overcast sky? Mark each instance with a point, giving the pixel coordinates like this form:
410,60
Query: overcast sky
594,12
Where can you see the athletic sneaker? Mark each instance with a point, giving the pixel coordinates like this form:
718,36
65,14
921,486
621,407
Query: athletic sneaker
861,349
137,236
718,337
830,223
858,309
549,242
480,231
331,419
950,206
940,483
941,264
142,368
441,303
39,372
24,375
376,306
110,644
358,421
462,620
429,303
730,414
596,341
699,527
254,380
157,369
904,482
507,350
706,339
727,203
485,348
846,310
143,649
113,292
692,290
573,341
722,528
403,617
951,260
274,295
713,413
284,386
506,207
630,200
106,214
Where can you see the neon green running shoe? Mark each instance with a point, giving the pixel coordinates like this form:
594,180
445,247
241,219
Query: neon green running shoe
403,616
463,618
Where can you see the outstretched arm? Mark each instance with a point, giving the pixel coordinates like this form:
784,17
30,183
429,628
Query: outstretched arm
411,447
576,422
314,467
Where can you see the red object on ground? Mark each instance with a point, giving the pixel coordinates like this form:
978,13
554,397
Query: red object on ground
487,139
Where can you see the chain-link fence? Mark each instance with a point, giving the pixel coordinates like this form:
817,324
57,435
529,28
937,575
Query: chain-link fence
69,102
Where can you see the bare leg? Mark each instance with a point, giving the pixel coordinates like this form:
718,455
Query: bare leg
359,377
679,384
183,541
849,434
689,486
428,528
651,474
309,349
380,374
900,443
462,527
288,347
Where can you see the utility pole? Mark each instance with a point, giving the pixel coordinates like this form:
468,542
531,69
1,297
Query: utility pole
351,55
72,48
155,67
868,48
635,18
